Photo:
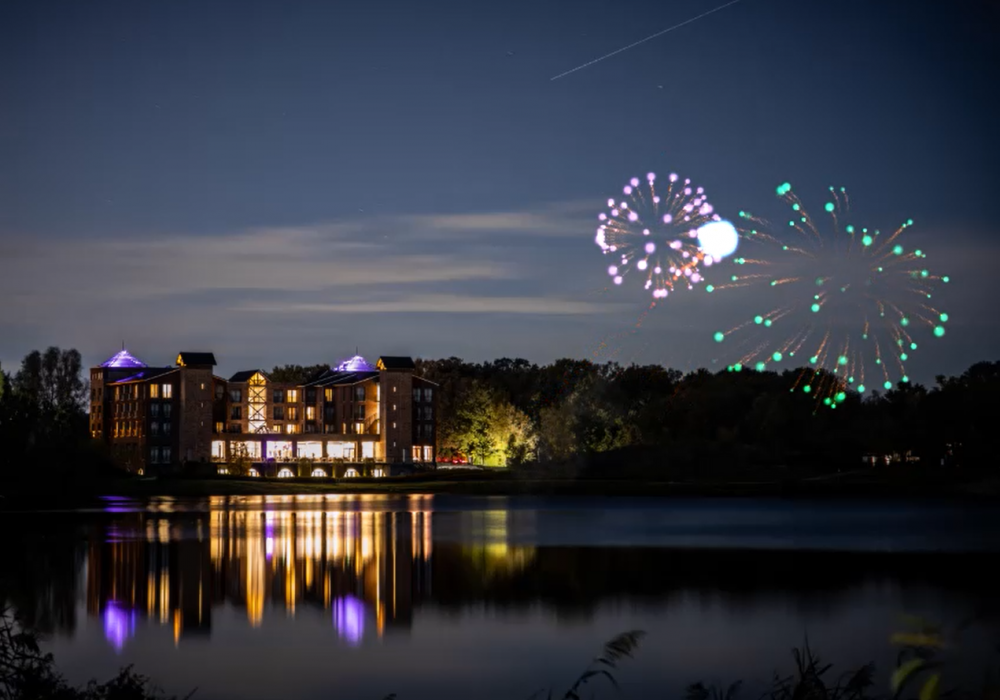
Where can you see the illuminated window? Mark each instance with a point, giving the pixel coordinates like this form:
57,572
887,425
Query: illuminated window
428,453
154,391
319,473
368,450
253,472
394,407
222,470
285,474
378,473
359,428
293,413
293,395
219,427
310,413
417,454
394,426
167,390
218,449
291,429
203,386
351,473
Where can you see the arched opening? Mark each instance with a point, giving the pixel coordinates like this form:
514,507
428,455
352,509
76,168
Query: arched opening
285,474
253,472
351,473
319,473
223,471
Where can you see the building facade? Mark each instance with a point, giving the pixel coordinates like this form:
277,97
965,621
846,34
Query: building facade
355,419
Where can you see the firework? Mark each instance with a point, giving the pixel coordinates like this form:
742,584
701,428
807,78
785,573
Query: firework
652,232
850,303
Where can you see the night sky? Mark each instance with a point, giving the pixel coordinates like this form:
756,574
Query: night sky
284,182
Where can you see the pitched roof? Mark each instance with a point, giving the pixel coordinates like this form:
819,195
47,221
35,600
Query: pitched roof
395,362
123,359
341,378
193,359
245,375
145,375
355,364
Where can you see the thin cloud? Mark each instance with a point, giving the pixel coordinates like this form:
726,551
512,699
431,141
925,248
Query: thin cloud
444,303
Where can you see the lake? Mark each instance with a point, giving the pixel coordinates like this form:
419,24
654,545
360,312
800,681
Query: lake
355,596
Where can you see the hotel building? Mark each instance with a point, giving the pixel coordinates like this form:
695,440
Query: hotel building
356,419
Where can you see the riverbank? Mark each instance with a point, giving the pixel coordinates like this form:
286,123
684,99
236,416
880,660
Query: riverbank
858,484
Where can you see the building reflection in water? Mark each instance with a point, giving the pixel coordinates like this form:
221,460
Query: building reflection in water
365,564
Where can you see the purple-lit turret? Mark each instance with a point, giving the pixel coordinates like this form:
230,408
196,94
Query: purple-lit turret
355,364
123,359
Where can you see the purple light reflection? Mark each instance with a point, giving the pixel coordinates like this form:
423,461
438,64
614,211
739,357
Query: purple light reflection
355,364
349,619
123,359
119,624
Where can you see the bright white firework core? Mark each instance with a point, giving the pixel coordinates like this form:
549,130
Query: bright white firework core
718,239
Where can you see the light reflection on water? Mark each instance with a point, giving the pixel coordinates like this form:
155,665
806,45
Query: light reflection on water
386,585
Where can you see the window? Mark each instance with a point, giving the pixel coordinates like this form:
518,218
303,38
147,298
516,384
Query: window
166,427
219,427
222,471
368,450
359,428
329,414
253,472
293,395
359,411
285,474
416,395
278,396
319,473
394,426
428,453
351,473
293,413
154,391
310,396
167,391
203,386
291,429
154,455
236,413
165,455
235,428
154,410
310,413
378,473
220,392
328,395
167,408
310,427
394,407
417,453
236,395
279,412
428,394
359,393
154,428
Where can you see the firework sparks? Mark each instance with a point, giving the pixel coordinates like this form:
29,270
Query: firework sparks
851,302
652,232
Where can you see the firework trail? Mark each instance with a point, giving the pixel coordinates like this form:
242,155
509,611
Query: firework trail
643,41
851,301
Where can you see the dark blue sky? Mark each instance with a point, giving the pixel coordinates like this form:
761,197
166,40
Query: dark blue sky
282,182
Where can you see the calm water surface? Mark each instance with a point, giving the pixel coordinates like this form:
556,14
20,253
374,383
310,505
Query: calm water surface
445,596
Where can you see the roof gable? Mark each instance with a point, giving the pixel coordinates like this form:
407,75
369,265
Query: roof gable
245,375
196,359
395,362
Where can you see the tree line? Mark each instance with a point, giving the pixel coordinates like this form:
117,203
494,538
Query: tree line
600,416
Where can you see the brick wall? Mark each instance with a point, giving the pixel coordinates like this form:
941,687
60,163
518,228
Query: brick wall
195,419
396,415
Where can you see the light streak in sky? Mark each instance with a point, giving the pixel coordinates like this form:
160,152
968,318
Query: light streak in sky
643,41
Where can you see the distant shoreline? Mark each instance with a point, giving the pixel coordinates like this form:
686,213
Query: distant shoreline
853,485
